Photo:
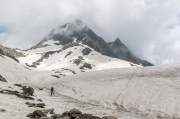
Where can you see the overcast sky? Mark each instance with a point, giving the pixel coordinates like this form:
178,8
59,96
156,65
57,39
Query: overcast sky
149,28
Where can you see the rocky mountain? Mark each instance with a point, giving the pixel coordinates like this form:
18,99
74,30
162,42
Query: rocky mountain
78,32
122,52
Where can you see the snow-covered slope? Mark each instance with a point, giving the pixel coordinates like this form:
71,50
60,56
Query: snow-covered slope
152,91
134,93
70,57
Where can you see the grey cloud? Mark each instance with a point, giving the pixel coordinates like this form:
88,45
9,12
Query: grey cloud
149,28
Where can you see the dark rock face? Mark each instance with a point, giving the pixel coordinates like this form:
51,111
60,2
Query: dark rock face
85,35
86,51
28,90
122,52
86,65
2,79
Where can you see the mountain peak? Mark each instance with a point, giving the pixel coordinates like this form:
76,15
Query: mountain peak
117,41
77,32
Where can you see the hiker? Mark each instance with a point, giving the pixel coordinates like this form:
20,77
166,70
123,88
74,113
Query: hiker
52,91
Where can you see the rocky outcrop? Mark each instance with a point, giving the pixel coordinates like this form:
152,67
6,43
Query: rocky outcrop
86,51
86,65
2,79
122,52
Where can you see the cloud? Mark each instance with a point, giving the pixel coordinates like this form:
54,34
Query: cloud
149,28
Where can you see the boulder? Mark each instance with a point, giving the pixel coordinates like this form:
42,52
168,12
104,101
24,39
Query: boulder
64,114
28,90
31,115
56,116
74,113
77,61
37,114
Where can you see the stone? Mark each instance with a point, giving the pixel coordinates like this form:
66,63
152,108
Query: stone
56,116
64,114
74,113
31,115
28,90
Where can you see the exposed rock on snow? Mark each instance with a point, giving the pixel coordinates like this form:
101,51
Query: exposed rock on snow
9,92
2,79
86,65
18,85
40,105
25,96
2,110
86,51
28,90
37,114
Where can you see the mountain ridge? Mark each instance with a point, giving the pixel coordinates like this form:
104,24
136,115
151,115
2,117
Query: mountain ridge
67,33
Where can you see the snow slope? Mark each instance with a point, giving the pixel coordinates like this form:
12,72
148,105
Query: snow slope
134,93
152,91
16,108
61,57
